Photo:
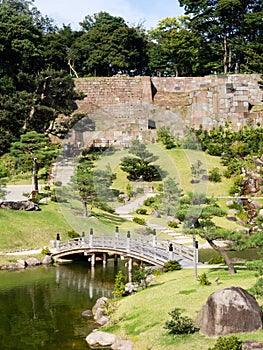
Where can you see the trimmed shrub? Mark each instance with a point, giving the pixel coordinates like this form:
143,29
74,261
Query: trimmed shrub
214,175
227,343
45,251
139,221
73,234
179,324
216,260
141,211
171,265
149,201
119,286
172,224
203,280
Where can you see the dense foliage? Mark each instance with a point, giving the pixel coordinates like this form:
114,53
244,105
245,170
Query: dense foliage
179,324
39,60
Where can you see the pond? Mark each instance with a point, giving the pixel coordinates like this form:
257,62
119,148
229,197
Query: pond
41,307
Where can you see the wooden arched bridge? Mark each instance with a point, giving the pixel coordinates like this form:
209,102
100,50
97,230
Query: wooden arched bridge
148,249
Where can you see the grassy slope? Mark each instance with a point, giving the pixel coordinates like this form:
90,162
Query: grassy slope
21,229
143,315
35,229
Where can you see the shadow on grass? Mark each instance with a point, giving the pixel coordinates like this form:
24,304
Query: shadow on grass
108,218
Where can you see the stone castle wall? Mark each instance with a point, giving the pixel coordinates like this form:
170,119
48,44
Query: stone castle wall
121,107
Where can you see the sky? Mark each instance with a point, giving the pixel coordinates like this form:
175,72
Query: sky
146,12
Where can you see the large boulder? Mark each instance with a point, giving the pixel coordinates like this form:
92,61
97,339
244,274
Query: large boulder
32,262
227,311
252,345
101,303
100,339
20,205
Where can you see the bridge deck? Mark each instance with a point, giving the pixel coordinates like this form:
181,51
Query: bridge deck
145,248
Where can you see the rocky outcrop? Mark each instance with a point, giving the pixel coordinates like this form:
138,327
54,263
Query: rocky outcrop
98,339
32,262
227,311
20,205
252,345
99,311
29,262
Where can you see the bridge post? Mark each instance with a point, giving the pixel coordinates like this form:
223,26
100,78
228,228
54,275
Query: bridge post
91,238
195,258
171,251
116,237
154,243
130,269
57,241
93,260
128,242
104,259
154,238
82,239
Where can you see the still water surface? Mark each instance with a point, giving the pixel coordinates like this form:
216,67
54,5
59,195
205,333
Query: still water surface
41,308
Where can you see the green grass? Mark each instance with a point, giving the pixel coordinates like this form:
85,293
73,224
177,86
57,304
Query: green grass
176,163
34,229
141,317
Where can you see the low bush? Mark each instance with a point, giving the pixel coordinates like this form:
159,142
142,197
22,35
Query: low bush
172,224
149,201
203,279
216,260
171,265
73,234
45,251
227,343
139,221
119,286
179,324
141,211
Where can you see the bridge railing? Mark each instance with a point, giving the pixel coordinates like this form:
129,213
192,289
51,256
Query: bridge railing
148,247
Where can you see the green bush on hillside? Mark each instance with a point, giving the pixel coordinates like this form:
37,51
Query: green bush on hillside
216,260
141,211
73,234
214,175
139,221
172,224
171,265
179,324
149,201
119,286
227,343
203,280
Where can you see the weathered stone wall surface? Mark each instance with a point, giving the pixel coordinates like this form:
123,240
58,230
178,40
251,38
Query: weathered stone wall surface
211,100
122,106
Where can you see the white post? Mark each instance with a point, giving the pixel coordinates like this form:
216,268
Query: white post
171,251
57,242
116,243
128,242
154,243
104,259
195,245
93,260
91,238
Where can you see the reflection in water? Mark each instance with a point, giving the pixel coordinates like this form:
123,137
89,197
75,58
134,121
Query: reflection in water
41,308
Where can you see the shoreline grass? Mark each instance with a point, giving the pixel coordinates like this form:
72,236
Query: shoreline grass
141,317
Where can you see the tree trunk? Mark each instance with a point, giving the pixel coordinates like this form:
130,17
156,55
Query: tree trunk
225,55
85,210
222,251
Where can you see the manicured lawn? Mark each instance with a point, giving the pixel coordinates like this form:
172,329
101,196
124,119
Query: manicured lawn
142,316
